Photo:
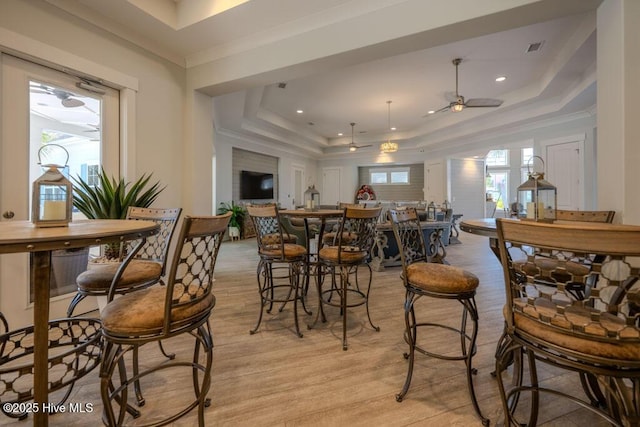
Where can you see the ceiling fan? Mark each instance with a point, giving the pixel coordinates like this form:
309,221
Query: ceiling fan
460,104
66,98
352,145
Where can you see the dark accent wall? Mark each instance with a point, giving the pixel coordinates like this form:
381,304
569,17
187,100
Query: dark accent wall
256,162
413,191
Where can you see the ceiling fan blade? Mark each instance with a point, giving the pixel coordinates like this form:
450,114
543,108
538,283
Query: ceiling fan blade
363,146
440,110
72,102
483,102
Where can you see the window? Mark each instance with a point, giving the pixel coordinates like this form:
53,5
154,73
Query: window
497,158
92,175
389,176
497,184
527,154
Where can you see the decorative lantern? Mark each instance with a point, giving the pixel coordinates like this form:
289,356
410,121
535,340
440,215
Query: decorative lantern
537,197
431,212
311,199
52,194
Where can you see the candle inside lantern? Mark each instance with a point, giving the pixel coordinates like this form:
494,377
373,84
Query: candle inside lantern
531,210
54,210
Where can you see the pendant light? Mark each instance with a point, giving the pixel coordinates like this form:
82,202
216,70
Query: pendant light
389,146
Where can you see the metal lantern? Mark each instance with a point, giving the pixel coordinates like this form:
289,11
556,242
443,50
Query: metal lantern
52,194
537,196
311,199
431,212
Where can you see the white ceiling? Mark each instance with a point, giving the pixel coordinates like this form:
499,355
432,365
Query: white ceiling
556,80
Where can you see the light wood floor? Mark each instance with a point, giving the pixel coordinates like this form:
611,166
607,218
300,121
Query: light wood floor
274,378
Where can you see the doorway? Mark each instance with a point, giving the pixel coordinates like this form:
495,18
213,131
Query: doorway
43,107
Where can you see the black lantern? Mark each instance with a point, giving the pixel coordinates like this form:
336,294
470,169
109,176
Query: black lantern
311,199
537,196
52,193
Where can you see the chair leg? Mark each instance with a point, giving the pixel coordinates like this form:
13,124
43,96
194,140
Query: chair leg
470,308
136,384
410,336
376,328
344,279
74,302
262,276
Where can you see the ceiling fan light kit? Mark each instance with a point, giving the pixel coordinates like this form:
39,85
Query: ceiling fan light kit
460,104
352,145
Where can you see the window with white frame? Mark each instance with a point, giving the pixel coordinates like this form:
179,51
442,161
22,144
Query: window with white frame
389,176
497,158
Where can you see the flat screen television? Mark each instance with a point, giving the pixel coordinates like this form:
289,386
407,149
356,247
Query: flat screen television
256,185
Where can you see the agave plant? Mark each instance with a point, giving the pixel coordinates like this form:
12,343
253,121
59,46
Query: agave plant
111,198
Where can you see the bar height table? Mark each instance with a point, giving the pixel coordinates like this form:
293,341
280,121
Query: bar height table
23,236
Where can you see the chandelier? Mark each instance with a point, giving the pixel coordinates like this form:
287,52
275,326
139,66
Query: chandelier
389,146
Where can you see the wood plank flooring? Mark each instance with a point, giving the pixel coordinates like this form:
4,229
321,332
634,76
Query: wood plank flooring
274,378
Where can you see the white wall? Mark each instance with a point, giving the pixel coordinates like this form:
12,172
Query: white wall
159,105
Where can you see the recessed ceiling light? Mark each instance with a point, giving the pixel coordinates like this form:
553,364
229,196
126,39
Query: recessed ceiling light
299,111
430,111
501,79
393,128
340,134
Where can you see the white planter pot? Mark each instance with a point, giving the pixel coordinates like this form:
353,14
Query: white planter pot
234,233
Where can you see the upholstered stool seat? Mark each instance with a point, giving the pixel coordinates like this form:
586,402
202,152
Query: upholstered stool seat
330,238
441,278
99,276
142,312
274,238
349,255
291,251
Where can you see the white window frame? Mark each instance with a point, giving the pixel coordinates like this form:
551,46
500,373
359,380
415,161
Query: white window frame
389,173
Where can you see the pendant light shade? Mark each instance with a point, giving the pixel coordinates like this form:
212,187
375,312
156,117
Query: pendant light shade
389,146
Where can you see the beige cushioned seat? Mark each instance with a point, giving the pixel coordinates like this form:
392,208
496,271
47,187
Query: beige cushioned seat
348,255
441,278
274,238
142,312
290,251
99,276
347,238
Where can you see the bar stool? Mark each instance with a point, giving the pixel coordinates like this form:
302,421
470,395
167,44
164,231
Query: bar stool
351,249
423,278
182,306
277,255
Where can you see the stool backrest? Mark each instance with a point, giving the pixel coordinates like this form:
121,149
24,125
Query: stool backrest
409,236
269,233
190,279
580,280
157,247
357,231
585,216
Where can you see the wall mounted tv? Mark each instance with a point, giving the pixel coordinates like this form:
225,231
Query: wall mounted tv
256,185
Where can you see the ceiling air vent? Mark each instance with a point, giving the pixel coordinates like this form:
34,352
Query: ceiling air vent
282,85
534,47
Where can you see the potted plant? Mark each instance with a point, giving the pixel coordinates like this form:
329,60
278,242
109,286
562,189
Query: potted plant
111,198
237,217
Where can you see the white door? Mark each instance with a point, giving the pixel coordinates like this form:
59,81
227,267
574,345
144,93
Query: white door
297,177
564,170
331,185
42,106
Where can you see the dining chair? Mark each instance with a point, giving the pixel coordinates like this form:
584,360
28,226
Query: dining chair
182,306
145,270
596,334
280,266
422,277
342,258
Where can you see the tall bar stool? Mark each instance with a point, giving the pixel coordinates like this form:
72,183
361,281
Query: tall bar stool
182,306
281,264
350,250
595,333
423,278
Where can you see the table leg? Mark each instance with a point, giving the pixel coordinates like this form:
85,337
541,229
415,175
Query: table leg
40,273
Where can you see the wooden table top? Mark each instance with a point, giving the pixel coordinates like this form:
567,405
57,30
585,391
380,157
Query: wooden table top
23,236
481,227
